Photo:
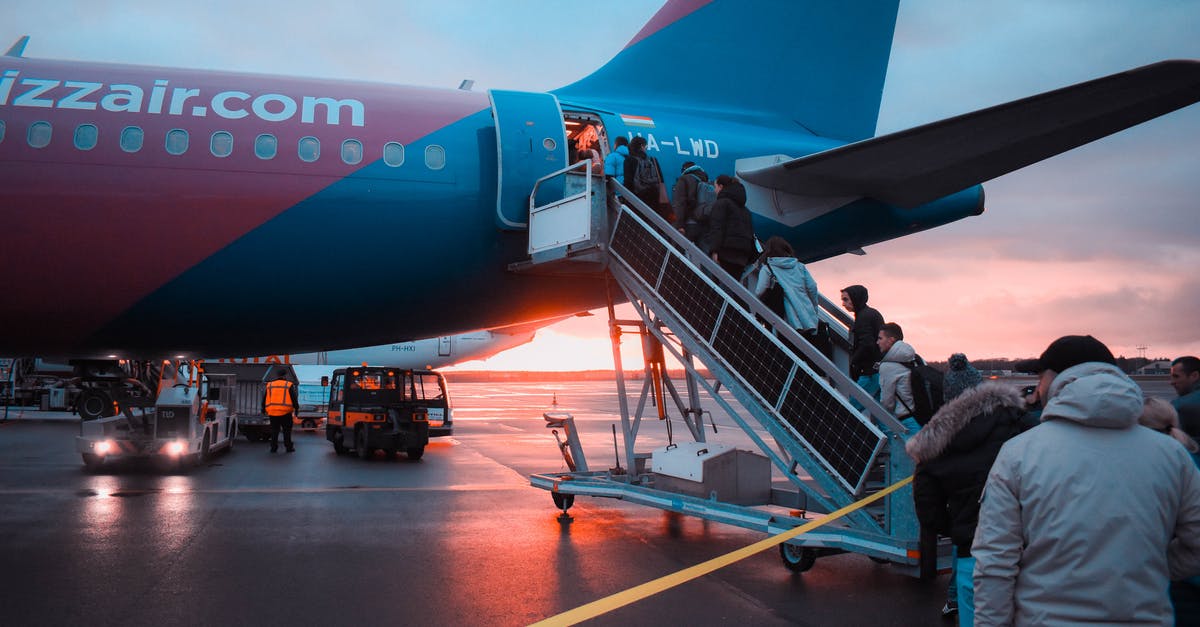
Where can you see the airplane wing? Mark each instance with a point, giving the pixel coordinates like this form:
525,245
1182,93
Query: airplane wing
922,164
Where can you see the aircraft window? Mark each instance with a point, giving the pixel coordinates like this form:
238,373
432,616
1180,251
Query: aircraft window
85,136
221,144
131,138
39,134
310,149
265,146
393,154
352,151
177,141
1,130
435,157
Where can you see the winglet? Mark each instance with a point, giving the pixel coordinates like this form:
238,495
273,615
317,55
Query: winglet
18,48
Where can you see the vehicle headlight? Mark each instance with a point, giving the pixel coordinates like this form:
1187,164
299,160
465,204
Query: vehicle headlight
103,447
175,447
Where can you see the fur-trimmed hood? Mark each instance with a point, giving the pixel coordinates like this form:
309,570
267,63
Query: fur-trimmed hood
954,425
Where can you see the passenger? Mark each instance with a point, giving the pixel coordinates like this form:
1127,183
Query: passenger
1185,378
730,235
614,163
1085,519
953,453
960,376
864,351
280,405
1160,416
685,201
585,152
650,189
895,384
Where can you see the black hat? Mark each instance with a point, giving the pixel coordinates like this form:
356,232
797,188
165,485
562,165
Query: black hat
1067,351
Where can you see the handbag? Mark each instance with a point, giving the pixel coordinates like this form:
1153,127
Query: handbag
774,297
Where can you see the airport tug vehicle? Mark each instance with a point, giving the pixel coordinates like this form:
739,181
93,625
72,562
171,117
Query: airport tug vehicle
166,412
377,408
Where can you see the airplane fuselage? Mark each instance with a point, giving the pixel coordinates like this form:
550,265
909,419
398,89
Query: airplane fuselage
153,210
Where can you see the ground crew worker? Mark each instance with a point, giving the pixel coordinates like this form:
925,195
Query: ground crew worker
280,405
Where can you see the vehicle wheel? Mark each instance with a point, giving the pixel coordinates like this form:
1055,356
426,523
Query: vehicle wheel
308,424
563,501
205,446
415,453
797,559
93,404
250,437
338,447
360,444
390,453
91,461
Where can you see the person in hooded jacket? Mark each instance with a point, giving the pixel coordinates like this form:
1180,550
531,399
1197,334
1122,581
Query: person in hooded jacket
895,378
864,335
651,195
684,201
614,163
1086,518
778,264
954,452
730,235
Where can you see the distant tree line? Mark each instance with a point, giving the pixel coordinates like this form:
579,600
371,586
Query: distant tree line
999,364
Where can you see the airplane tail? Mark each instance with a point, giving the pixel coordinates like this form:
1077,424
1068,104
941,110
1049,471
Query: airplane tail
813,63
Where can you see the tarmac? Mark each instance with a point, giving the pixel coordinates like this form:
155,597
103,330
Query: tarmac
456,538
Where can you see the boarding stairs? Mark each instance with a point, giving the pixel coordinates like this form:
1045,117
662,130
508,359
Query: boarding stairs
831,453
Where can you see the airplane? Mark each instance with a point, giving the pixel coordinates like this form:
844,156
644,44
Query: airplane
141,204
429,353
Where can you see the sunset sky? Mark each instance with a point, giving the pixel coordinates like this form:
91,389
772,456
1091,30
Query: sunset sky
1100,240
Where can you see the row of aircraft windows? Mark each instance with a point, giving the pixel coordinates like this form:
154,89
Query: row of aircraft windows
266,146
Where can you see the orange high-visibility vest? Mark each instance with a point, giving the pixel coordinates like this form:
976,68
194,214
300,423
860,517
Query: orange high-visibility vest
279,398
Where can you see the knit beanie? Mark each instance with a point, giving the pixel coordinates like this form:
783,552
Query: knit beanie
961,377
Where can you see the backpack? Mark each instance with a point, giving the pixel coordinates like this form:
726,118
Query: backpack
926,382
645,176
706,195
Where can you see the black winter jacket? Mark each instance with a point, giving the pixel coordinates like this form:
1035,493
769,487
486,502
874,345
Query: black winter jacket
730,230
954,453
864,352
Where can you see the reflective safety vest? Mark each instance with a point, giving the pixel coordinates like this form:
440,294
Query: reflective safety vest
279,398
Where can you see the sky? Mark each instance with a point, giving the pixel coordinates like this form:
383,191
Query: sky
1100,240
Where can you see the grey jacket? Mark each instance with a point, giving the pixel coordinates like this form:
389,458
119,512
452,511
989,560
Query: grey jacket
1085,518
895,386
801,298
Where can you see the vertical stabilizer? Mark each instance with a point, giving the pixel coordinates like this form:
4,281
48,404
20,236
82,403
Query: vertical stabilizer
815,63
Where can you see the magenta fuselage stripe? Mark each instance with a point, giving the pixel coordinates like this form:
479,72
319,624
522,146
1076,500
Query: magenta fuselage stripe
127,223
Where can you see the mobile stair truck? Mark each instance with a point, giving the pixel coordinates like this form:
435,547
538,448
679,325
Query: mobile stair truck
171,412
816,451
378,408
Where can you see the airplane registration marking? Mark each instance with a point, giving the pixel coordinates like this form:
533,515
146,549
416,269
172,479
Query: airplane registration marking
690,146
120,97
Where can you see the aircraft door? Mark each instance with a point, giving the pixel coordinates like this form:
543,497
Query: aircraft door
444,346
531,143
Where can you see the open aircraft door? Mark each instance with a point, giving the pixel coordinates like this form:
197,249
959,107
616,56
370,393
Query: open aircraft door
531,142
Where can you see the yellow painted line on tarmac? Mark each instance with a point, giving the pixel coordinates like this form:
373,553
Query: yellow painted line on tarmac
650,588
466,487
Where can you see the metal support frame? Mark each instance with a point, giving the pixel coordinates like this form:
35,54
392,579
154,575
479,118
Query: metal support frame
888,531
